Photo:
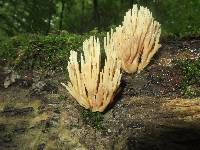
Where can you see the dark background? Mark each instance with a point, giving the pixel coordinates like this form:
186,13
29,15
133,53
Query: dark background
178,17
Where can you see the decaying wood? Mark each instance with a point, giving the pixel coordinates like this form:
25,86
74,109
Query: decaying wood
186,109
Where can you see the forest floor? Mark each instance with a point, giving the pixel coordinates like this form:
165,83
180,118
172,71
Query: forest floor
150,110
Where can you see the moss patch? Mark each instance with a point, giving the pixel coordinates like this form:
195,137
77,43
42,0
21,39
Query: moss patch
191,81
94,119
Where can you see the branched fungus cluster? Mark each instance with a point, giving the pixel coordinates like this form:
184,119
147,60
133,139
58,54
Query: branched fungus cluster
130,47
94,88
137,39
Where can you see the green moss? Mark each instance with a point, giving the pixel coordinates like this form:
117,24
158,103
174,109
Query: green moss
39,52
94,119
190,91
191,73
29,52
62,97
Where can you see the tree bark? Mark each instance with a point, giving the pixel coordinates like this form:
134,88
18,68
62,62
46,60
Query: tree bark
61,14
96,13
49,17
83,14
131,3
